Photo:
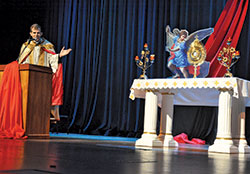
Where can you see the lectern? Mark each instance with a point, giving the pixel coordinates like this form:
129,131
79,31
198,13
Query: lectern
36,98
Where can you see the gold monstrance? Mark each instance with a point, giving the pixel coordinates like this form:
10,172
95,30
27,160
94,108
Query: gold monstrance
144,62
227,57
196,54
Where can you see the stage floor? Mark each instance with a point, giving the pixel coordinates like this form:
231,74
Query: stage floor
69,155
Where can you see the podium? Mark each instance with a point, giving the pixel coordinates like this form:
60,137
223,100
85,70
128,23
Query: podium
36,84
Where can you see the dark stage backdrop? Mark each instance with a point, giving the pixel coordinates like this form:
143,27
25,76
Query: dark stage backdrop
105,36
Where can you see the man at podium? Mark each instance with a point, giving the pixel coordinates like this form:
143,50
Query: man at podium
39,51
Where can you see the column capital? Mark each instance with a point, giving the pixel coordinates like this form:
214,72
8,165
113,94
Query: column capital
167,93
226,90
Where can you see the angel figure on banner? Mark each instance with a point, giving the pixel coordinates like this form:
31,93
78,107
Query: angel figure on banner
177,44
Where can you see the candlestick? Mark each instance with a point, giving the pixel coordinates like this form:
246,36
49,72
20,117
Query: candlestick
144,62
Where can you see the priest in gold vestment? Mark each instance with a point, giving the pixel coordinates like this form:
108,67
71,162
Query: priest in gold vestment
39,51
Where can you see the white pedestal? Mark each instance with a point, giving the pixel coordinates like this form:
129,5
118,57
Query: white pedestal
242,144
223,146
148,140
149,137
243,148
224,142
167,121
231,125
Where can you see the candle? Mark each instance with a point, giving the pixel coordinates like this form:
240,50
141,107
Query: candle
152,57
219,55
229,41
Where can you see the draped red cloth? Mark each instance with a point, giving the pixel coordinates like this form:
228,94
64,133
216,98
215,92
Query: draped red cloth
57,83
11,120
228,25
57,86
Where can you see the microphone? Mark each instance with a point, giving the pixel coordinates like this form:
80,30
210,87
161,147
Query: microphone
29,40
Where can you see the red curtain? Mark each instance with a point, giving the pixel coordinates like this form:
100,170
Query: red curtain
228,25
11,121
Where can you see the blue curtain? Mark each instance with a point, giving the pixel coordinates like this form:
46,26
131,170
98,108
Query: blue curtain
105,36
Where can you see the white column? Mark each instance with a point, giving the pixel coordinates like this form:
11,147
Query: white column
224,142
167,110
243,147
239,105
149,137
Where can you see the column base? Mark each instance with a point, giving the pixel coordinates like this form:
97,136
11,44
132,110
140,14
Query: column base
168,141
149,140
223,146
243,147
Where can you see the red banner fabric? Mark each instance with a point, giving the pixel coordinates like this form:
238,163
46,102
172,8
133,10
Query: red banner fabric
228,25
11,121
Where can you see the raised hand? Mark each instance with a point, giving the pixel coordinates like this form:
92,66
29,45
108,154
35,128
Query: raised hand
64,52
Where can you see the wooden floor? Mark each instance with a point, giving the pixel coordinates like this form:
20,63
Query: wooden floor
73,156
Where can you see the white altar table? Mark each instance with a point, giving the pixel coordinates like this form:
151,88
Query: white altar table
231,95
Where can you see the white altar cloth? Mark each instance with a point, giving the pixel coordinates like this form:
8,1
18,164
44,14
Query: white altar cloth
187,89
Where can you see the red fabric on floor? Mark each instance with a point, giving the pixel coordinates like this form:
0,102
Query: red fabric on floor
198,141
183,138
11,121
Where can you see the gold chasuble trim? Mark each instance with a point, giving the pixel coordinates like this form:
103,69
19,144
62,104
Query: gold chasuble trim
31,58
30,53
31,45
48,46
33,48
41,57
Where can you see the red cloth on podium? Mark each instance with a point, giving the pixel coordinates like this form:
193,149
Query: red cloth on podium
11,120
